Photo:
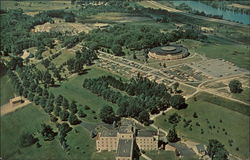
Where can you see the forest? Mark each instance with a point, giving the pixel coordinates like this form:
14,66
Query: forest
137,37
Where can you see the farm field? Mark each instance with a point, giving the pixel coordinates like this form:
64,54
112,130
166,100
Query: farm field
7,90
73,90
215,121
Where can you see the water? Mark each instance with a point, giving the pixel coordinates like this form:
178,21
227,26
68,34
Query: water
227,15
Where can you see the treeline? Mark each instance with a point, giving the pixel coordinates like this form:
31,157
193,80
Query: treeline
15,32
83,57
137,37
142,95
67,16
70,41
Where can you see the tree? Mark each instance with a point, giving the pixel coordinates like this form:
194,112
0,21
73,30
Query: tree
174,118
15,62
177,101
47,132
195,115
144,116
81,114
172,136
69,18
64,128
65,103
117,50
59,100
235,86
73,107
107,114
27,139
73,120
175,86
64,114
57,110
216,150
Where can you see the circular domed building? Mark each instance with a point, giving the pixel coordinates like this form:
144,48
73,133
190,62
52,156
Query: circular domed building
170,52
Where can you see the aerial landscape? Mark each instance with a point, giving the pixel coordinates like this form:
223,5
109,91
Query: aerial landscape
125,80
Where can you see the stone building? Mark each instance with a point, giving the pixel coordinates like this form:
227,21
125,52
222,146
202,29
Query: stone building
124,138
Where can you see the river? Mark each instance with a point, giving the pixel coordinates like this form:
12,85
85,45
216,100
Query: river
227,14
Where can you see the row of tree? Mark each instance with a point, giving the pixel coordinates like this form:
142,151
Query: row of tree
143,95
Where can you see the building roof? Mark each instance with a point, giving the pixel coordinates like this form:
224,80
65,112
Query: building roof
125,129
175,49
108,133
125,148
146,133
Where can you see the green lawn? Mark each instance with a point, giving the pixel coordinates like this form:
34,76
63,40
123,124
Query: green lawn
243,96
234,106
66,55
161,155
104,155
29,119
233,126
73,90
7,90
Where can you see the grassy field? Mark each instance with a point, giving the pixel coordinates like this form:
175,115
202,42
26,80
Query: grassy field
73,90
27,119
104,155
66,55
7,90
215,121
234,106
35,6
81,145
161,155
186,90
243,96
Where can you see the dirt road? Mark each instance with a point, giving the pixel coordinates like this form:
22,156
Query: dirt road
7,108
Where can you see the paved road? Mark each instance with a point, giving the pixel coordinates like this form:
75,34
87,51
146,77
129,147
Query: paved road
161,6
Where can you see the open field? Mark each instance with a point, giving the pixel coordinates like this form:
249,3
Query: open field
161,155
73,90
35,6
27,119
81,145
116,17
7,90
215,121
